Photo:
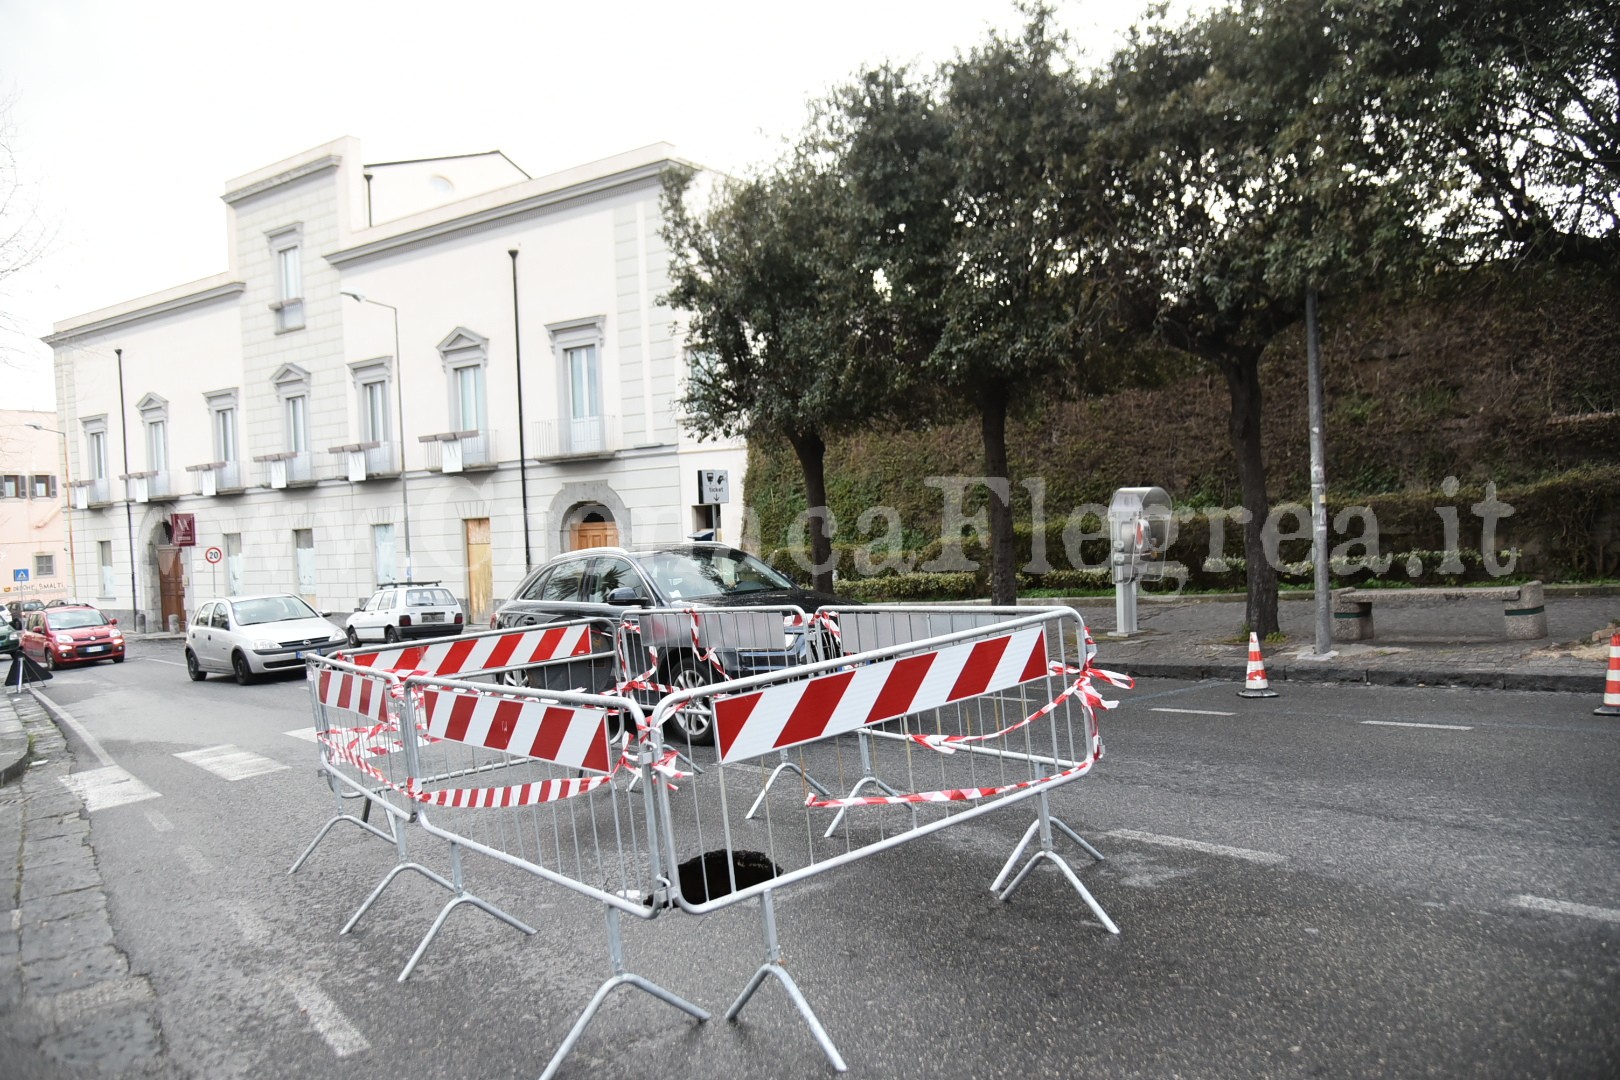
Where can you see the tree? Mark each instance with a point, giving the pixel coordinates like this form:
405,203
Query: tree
769,278
1242,181
972,190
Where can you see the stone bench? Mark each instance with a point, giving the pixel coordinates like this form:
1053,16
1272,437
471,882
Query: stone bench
1523,608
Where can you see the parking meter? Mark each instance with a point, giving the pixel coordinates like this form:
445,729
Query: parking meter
1139,524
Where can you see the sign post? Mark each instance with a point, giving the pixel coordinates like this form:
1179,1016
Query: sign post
214,555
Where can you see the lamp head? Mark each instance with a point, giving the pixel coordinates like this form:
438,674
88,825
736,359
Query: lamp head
359,297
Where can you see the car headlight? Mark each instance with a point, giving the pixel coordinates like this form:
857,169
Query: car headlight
336,638
62,639
115,634
265,643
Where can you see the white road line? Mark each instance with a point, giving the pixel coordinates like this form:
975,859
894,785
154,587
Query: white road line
102,789
159,822
254,929
1198,845
1403,723
328,1022
1193,712
195,860
231,762
1564,907
155,660
305,733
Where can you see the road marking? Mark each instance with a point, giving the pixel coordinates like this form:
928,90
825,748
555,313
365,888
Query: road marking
1564,907
1193,712
231,762
1403,723
254,929
159,822
305,733
328,1022
102,789
1265,857
155,660
195,861
66,717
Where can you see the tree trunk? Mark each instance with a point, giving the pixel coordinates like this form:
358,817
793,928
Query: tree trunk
1003,553
812,454
1243,382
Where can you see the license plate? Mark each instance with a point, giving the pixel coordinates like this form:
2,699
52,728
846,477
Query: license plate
93,648
433,616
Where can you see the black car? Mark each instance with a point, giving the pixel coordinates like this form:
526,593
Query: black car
604,583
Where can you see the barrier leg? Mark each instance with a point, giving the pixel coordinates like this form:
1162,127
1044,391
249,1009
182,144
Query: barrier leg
773,967
785,766
620,978
456,885
341,815
868,777
1042,825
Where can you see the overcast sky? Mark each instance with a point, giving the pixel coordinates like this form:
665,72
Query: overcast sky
125,118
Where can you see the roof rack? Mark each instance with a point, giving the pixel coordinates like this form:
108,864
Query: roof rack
403,584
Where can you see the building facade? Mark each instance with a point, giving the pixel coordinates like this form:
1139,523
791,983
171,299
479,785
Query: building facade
36,557
479,380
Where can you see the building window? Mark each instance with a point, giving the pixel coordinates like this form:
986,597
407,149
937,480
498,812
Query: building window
373,385
304,563
95,448
13,486
287,252
579,372
383,554
222,412
43,487
44,566
465,355
154,412
104,554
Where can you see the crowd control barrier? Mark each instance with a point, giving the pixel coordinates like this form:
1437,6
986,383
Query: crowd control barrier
635,796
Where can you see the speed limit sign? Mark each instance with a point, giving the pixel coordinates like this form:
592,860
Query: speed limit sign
213,555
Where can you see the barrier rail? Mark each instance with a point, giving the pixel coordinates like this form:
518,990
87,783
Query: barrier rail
633,798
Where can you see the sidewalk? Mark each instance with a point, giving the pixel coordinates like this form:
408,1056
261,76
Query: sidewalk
1431,643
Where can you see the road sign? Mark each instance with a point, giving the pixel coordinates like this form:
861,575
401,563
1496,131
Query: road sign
19,575
213,555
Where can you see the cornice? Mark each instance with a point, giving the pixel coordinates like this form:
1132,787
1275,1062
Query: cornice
297,172
140,314
574,194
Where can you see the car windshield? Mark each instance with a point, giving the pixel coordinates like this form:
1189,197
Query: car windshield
76,620
268,609
429,598
705,572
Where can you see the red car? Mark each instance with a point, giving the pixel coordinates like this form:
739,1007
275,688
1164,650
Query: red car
71,635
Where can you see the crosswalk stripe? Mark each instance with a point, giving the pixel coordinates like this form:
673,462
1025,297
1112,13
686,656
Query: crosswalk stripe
231,762
107,787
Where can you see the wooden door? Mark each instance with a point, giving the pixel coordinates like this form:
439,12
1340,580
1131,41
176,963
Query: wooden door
171,585
480,572
589,534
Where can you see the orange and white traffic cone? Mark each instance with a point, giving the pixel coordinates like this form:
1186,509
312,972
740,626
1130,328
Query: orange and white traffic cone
1611,686
1254,681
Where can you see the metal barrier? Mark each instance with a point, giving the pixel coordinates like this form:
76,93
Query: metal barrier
952,713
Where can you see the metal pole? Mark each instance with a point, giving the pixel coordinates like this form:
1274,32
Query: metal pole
129,513
523,454
1319,531
399,407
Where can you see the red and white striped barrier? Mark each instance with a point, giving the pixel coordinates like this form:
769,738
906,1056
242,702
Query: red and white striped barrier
791,713
450,657
574,736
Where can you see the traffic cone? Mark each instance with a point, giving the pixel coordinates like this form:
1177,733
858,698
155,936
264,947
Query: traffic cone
1254,681
1611,686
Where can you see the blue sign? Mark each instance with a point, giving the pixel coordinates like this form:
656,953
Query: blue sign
19,575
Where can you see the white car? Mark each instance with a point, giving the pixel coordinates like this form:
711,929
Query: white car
249,636
408,609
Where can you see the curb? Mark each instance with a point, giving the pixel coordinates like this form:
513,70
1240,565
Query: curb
1329,673
16,745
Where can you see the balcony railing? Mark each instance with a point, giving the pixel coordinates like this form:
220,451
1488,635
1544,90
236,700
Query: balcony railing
150,486
88,493
367,460
596,436
456,451
291,468
215,478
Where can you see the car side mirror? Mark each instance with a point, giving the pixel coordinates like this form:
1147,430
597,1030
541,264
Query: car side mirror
626,596
112,622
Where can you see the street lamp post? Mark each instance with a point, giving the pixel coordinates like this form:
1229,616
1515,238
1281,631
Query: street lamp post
399,409
135,620
67,510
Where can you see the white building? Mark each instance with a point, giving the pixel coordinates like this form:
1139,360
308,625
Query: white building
36,558
500,334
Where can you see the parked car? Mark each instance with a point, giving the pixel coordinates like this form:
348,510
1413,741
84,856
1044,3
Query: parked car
10,637
71,635
249,636
604,582
406,609
19,610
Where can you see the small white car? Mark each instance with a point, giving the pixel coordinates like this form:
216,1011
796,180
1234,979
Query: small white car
249,636
409,609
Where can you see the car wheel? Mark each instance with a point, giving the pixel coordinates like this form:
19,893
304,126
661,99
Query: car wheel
193,668
50,660
244,673
514,677
693,722
118,659
390,635
354,638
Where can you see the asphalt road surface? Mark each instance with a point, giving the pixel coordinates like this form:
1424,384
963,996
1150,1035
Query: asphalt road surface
1345,881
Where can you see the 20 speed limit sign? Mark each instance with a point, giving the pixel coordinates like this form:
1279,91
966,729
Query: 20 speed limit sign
213,555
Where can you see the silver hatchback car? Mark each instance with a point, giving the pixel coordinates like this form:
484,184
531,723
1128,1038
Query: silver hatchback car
249,636
407,609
